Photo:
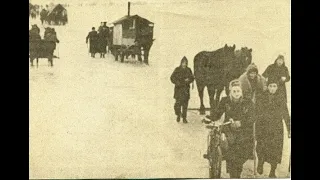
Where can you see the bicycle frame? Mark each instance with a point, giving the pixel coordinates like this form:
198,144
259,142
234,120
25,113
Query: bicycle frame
214,154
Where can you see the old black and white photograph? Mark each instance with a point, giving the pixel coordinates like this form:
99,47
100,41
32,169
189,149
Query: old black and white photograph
127,89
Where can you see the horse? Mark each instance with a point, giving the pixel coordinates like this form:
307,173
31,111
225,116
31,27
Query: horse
41,49
243,57
215,69
209,71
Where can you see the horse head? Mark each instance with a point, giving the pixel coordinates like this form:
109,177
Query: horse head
244,58
228,56
247,54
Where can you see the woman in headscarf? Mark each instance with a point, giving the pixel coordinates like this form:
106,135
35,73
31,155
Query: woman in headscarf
239,134
279,72
252,83
182,77
271,110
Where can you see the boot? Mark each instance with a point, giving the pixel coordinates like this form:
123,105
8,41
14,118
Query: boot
272,173
178,118
260,167
185,120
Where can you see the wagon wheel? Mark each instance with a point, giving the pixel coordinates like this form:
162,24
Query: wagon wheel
215,162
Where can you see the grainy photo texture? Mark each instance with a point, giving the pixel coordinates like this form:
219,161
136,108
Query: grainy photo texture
159,89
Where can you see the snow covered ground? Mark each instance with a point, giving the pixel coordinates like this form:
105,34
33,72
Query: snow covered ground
98,118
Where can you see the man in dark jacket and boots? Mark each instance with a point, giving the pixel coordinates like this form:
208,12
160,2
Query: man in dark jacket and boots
182,77
93,37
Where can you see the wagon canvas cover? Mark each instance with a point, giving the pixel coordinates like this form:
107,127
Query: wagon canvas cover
59,9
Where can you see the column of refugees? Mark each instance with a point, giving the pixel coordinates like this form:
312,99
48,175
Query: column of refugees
254,99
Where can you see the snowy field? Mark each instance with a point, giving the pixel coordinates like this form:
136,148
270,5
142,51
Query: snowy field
98,118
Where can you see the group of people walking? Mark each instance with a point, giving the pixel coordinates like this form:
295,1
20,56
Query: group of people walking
50,36
98,41
255,101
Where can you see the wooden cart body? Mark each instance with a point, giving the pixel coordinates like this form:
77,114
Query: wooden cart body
131,35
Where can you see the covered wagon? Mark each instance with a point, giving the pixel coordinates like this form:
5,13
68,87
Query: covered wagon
131,35
57,15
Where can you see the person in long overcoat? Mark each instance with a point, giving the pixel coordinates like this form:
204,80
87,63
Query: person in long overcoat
93,37
279,71
271,111
238,134
182,77
43,15
102,41
51,38
34,43
252,83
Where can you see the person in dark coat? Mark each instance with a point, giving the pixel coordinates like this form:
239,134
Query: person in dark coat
51,36
182,77
50,45
252,83
271,110
34,43
102,41
238,134
43,15
278,71
93,37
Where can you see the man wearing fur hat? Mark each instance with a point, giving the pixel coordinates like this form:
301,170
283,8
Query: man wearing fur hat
252,83
182,77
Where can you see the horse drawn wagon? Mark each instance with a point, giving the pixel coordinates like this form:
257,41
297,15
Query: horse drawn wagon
56,16
41,49
131,35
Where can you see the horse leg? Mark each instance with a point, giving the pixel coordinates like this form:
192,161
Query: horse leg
200,87
211,91
31,60
146,57
50,59
217,100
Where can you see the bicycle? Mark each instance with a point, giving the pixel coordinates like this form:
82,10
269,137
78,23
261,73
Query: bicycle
214,153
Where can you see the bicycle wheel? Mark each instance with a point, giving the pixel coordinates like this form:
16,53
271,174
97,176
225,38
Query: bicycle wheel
215,163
